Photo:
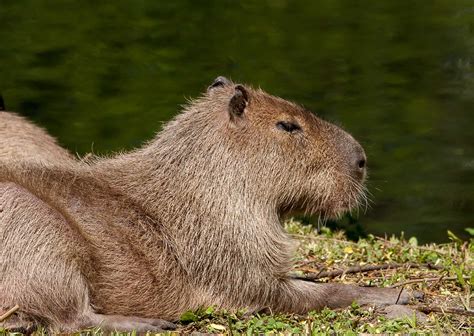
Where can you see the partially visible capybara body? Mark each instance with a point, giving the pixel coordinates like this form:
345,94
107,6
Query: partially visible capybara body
21,140
190,220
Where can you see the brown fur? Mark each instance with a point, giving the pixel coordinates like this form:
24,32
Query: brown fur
192,219
21,140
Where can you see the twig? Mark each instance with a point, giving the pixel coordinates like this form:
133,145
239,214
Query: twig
399,294
366,268
403,283
438,281
464,303
431,309
9,313
321,271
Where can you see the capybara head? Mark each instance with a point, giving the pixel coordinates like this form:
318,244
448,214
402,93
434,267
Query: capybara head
275,149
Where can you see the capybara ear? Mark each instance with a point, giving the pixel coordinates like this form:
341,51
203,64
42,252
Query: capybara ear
219,82
239,101
2,104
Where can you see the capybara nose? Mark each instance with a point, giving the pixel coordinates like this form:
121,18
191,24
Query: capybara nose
360,162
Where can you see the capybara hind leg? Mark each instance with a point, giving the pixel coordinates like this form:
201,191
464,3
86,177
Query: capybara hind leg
126,323
56,303
42,259
17,323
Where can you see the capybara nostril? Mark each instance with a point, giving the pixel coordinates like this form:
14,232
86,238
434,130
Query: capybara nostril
358,160
359,163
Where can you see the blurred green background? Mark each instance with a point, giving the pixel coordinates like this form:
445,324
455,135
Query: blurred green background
103,76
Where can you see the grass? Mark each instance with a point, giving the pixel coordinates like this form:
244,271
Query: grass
450,286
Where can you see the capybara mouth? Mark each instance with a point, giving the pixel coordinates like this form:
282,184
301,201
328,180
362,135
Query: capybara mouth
354,201
327,208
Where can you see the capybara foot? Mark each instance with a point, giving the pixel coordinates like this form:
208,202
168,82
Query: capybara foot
342,295
387,296
399,312
131,323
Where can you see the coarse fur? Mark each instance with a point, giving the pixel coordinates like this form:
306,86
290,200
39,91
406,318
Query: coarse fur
190,220
21,140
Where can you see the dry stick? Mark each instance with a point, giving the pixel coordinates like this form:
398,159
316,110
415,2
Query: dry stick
9,313
466,303
431,309
321,271
366,268
399,294
438,281
403,283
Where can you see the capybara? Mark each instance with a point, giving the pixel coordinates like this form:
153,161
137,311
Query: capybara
21,140
192,219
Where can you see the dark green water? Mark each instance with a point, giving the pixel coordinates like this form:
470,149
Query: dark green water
396,74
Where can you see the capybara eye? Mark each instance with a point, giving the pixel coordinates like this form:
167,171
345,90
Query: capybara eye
288,126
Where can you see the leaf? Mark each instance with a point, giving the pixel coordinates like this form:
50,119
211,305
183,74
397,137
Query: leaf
280,325
209,311
189,317
470,231
459,274
453,237
217,327
413,241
